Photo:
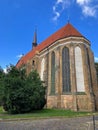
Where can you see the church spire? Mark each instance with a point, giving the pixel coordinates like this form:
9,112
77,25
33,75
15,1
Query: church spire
34,43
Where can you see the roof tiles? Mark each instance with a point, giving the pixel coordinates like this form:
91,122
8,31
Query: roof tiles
66,31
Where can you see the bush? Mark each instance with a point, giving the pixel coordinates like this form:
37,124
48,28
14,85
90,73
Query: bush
23,93
2,75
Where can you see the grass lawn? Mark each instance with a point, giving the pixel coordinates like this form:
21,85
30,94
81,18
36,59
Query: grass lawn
45,113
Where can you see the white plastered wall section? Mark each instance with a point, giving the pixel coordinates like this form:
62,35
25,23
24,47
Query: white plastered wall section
42,69
79,70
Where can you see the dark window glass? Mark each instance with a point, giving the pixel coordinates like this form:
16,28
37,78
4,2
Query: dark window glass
66,70
53,73
33,62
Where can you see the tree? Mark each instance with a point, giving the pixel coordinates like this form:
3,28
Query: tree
96,66
22,93
1,84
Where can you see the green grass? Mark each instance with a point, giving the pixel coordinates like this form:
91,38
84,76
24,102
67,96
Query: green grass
45,113
1,110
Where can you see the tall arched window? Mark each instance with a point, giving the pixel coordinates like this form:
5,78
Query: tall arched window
53,73
66,70
42,69
79,70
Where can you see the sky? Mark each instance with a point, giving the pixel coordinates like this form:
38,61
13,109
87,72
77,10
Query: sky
20,18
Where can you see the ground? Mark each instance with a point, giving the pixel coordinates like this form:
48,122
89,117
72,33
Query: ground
78,123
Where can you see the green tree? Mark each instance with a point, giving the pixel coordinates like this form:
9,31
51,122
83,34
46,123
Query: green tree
2,75
22,93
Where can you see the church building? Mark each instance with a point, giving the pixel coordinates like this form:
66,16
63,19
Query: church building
65,63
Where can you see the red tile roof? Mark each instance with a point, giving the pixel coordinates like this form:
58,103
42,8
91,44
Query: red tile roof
66,31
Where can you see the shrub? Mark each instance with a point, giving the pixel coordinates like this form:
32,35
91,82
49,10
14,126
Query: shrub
23,93
2,75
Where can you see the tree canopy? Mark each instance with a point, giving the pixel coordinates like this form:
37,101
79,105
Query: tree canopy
2,75
22,93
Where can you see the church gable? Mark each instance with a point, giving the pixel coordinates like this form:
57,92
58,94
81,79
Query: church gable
64,32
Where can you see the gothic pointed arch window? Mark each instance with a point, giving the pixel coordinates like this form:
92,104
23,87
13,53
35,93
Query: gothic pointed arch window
66,87
52,73
79,70
42,69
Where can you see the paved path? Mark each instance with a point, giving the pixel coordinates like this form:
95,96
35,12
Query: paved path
80,123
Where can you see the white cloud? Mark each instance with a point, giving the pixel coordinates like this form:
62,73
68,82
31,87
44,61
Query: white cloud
19,56
82,2
59,7
88,8
96,59
89,11
59,1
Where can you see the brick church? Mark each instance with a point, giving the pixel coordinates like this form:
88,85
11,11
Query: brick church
65,62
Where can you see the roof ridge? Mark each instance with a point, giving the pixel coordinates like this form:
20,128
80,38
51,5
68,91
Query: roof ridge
66,31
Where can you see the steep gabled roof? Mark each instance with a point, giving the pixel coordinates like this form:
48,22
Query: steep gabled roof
64,32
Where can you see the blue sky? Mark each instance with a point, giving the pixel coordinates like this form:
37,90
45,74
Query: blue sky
18,19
